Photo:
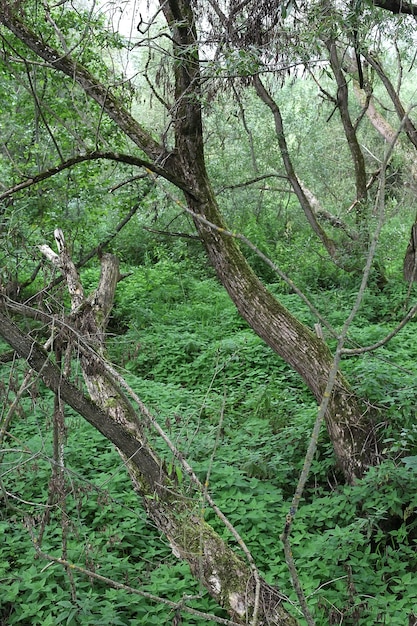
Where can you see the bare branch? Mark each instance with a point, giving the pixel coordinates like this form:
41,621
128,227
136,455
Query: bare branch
406,122
252,181
266,97
39,109
169,233
385,340
133,590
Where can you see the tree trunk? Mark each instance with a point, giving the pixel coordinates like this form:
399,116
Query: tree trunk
350,132
347,419
390,135
410,259
228,578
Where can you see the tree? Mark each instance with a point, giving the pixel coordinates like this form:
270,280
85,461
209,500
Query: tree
243,37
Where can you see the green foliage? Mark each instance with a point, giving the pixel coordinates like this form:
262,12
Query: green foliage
231,406
239,62
410,462
221,394
350,543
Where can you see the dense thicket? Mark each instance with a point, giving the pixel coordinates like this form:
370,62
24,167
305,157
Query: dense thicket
252,167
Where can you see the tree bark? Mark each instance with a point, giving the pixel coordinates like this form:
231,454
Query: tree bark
350,133
402,114
390,135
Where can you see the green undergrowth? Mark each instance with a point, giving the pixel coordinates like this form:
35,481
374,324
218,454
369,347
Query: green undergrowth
106,531
243,420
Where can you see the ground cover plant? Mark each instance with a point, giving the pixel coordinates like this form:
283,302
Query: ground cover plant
193,362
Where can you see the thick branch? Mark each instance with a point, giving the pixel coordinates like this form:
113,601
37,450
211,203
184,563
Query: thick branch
322,214
187,120
91,156
396,6
408,125
38,360
342,103
381,125
93,88
384,128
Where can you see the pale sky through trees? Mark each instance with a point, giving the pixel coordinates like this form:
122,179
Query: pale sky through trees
124,16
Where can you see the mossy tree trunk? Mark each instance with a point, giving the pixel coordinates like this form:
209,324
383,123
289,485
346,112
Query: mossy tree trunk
226,576
348,422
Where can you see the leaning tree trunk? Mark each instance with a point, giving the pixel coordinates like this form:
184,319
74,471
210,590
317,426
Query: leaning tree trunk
348,423
229,579
390,134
